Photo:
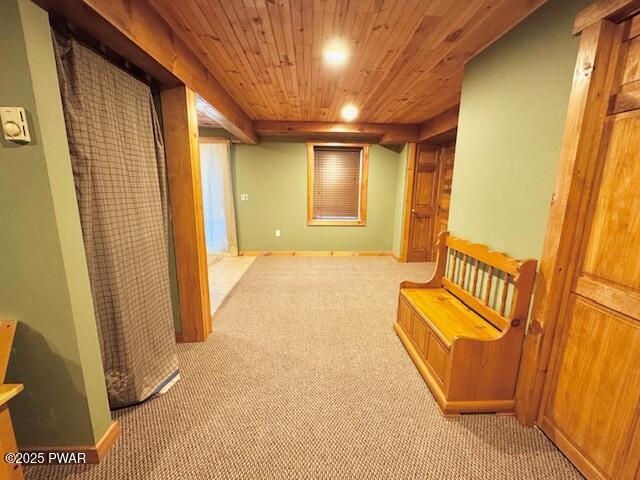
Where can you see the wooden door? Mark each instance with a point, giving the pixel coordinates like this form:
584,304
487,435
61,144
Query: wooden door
446,155
423,205
591,401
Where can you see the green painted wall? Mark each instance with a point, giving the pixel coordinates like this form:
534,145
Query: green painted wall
274,174
514,102
173,274
398,215
173,282
44,283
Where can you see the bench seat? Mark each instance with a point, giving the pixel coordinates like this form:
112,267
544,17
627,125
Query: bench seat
447,316
463,328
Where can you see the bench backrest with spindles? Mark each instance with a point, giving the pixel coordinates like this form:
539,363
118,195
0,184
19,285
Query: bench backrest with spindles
494,285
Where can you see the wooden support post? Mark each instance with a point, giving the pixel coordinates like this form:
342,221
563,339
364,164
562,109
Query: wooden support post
588,103
185,194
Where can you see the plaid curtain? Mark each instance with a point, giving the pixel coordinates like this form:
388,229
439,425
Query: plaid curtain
118,165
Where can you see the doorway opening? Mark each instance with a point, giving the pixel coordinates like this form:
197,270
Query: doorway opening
224,265
430,196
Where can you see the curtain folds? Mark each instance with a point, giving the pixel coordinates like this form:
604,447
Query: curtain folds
217,198
118,165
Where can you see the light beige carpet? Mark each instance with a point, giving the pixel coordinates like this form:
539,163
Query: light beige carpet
304,377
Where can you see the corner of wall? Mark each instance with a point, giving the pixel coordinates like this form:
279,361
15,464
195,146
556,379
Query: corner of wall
508,146
65,401
400,194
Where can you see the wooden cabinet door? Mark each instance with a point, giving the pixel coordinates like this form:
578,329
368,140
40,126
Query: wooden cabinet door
423,205
591,402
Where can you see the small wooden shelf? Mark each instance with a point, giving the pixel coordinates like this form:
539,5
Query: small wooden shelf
8,391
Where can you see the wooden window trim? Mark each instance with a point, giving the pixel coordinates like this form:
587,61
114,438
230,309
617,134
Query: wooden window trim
364,182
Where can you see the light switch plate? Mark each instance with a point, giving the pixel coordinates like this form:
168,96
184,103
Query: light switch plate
14,124
244,197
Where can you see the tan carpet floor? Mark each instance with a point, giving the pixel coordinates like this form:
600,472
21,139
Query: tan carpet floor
304,377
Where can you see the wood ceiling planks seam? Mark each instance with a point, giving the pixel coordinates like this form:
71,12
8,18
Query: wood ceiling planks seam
262,60
406,57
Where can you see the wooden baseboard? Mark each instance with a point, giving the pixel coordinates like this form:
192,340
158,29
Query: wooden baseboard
397,258
93,453
286,253
107,440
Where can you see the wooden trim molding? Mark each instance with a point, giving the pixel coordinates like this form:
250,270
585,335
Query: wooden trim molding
336,223
107,440
311,253
180,121
613,10
408,199
364,182
94,454
625,302
588,104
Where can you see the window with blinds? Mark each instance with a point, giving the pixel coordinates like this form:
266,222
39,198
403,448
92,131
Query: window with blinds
338,184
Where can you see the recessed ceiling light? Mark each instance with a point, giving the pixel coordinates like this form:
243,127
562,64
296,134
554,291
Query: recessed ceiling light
335,55
349,112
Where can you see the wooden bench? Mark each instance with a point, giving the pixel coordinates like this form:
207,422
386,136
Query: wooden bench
464,328
8,471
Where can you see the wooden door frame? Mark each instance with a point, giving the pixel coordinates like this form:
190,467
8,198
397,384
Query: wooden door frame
588,103
410,186
441,176
408,200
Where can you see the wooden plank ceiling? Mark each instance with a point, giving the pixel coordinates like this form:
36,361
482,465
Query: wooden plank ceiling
137,32
405,64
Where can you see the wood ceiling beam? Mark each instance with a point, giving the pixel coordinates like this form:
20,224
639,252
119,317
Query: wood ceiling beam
135,30
614,10
385,134
206,113
443,123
